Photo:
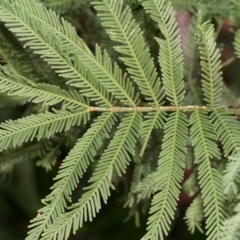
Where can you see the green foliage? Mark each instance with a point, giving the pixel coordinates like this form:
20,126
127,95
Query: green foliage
194,215
231,226
154,114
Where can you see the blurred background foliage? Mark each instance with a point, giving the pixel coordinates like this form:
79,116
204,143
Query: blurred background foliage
22,186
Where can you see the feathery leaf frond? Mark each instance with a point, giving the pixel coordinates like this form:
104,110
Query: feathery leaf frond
203,137
119,24
100,67
210,180
115,158
211,64
28,29
14,84
194,215
170,54
125,111
227,128
168,176
15,133
70,172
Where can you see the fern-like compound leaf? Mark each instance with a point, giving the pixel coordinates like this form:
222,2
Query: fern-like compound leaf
115,158
210,180
95,83
14,84
57,55
203,137
70,172
119,24
170,54
101,67
194,215
211,65
227,128
168,177
213,198
15,133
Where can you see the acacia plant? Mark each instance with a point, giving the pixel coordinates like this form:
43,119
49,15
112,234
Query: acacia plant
124,107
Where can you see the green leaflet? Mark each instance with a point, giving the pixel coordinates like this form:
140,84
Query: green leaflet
205,149
211,65
101,67
46,44
168,176
15,133
17,85
170,54
194,215
119,24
